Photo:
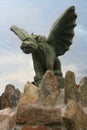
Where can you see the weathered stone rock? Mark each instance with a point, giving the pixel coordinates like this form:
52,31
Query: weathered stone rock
57,127
49,89
75,118
38,115
61,81
34,111
7,117
34,128
83,91
30,95
27,127
10,96
71,89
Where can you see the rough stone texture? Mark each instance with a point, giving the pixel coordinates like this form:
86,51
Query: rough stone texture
83,91
49,89
30,95
7,117
10,96
75,118
71,89
57,127
37,115
34,128
45,106
61,81
44,109
27,127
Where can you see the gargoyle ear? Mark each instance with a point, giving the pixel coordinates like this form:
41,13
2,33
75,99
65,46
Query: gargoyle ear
41,38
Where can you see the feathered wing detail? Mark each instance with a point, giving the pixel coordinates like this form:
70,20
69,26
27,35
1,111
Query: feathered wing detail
62,31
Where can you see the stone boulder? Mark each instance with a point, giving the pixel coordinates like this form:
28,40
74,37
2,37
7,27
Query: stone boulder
7,118
10,96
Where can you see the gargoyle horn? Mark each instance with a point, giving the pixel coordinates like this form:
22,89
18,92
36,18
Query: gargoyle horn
22,34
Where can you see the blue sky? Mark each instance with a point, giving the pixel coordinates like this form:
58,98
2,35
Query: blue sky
38,16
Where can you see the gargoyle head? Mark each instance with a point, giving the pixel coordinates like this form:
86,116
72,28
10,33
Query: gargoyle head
29,45
31,42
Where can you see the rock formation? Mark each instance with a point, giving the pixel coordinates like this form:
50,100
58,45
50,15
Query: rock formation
49,90
71,89
7,118
10,97
50,107
53,107
83,91
34,128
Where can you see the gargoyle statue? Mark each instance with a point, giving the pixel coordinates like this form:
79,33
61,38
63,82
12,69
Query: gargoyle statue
46,50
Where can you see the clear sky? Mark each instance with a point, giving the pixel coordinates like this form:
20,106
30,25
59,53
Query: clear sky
38,16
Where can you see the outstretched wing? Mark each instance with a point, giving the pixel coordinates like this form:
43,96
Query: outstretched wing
62,31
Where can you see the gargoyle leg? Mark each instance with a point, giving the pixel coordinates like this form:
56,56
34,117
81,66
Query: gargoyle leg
39,72
57,67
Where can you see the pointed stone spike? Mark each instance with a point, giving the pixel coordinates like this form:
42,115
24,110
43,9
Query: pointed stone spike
49,89
83,91
75,118
71,89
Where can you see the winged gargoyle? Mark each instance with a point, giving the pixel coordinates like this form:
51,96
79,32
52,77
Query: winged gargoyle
46,50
